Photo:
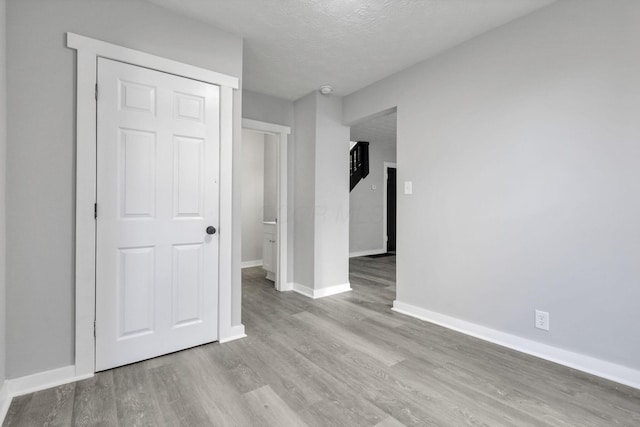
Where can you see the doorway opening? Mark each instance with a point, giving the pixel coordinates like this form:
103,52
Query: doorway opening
389,206
372,204
266,236
372,200
86,175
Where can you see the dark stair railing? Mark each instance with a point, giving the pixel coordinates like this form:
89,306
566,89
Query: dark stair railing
359,163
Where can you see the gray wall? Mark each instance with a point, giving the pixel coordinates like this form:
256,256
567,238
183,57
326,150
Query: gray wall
331,194
40,172
253,164
366,204
270,178
522,146
3,204
304,191
266,108
269,109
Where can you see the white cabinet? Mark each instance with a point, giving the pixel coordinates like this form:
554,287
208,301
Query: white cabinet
269,256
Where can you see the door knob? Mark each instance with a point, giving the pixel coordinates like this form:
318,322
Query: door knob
211,229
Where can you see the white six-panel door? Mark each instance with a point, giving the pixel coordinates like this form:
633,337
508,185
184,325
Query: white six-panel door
157,192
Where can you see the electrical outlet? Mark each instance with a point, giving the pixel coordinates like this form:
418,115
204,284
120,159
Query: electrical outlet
542,320
408,187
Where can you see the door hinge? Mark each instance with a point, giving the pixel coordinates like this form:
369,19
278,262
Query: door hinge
95,211
96,91
94,328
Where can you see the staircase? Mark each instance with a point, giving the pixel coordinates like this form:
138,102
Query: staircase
359,163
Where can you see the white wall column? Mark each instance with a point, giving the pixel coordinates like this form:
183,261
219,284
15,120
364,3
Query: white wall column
322,197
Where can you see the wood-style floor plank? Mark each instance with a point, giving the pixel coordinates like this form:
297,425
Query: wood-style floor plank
390,422
137,404
272,409
332,329
16,415
345,360
94,401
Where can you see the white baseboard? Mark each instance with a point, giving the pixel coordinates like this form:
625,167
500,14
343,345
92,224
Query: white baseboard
254,263
302,290
44,380
287,287
236,333
322,292
331,290
365,253
591,365
36,382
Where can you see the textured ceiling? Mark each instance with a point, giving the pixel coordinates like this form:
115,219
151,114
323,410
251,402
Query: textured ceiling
292,47
379,131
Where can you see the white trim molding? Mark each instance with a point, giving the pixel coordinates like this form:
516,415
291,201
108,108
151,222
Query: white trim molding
288,287
282,194
265,127
44,380
225,276
249,264
591,365
367,253
302,290
322,292
235,333
88,51
385,179
135,57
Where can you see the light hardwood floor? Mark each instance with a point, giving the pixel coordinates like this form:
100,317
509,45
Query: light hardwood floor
345,360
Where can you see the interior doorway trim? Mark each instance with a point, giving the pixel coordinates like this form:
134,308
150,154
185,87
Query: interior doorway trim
385,176
88,51
281,132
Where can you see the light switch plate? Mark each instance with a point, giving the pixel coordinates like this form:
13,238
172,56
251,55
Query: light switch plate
408,187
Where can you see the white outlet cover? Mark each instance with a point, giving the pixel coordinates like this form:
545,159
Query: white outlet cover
542,320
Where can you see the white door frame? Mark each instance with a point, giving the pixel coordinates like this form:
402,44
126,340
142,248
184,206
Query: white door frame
281,132
88,51
385,166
